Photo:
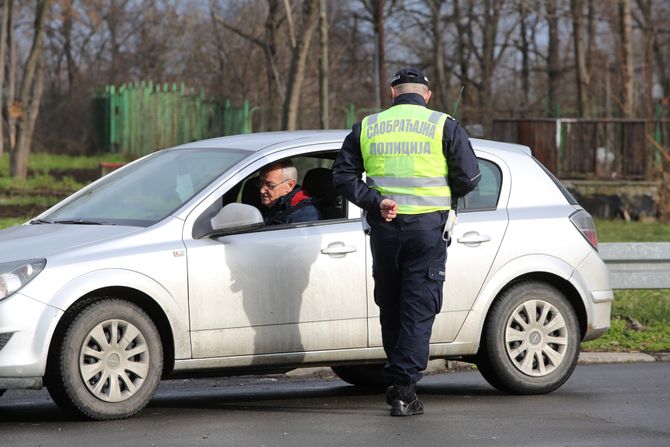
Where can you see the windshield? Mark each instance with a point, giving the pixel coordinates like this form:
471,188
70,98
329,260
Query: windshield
147,191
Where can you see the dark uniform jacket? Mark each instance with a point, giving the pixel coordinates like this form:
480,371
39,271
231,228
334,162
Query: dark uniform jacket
463,173
295,206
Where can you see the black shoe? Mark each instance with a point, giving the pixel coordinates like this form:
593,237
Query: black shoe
400,408
392,394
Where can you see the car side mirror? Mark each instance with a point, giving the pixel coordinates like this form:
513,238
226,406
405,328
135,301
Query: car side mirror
235,218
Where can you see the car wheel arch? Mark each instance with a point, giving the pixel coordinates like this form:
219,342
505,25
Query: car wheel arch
134,296
547,269
563,285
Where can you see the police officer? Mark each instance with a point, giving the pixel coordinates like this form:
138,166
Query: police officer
418,162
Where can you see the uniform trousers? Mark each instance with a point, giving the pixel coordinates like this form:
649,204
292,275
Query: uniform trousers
409,270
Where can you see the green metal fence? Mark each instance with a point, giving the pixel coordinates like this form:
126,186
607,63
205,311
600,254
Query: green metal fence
141,117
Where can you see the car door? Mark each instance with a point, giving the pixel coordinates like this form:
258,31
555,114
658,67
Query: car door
282,289
482,221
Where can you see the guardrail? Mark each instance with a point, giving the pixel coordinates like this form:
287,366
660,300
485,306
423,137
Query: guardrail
637,265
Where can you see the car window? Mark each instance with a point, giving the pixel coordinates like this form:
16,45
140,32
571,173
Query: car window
314,177
486,193
148,190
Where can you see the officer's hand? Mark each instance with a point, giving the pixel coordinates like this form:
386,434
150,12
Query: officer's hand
389,209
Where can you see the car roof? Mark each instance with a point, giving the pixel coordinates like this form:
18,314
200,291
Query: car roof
261,141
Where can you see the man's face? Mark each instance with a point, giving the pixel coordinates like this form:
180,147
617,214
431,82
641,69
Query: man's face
274,186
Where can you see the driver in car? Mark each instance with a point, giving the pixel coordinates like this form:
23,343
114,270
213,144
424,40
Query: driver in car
282,198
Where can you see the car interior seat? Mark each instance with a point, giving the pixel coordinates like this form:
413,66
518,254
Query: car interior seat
250,193
318,183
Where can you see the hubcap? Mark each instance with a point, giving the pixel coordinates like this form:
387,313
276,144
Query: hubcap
114,360
536,338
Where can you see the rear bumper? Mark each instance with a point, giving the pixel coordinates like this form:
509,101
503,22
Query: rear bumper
592,277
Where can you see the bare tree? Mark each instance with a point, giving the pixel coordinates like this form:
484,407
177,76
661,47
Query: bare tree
296,76
582,74
323,66
648,26
553,58
524,45
4,12
32,86
625,36
375,10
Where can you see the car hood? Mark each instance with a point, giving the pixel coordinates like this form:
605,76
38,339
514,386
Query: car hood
44,240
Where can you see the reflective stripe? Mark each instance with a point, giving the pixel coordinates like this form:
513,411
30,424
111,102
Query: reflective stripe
372,119
406,182
420,200
435,117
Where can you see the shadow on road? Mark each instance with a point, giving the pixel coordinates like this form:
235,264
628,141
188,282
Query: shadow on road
245,394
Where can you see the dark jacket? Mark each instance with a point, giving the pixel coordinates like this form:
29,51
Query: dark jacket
295,206
463,173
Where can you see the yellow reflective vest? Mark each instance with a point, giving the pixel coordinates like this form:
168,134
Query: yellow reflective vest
403,158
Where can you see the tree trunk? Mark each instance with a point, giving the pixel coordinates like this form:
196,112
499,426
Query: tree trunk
553,59
625,32
11,78
525,60
439,84
275,87
67,45
488,60
31,94
649,33
298,67
4,11
461,52
590,49
580,59
381,54
324,107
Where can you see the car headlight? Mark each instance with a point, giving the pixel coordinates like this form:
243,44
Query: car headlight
16,274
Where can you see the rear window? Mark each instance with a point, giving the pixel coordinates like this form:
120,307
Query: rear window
486,193
569,197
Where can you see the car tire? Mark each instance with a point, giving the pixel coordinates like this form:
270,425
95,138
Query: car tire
531,339
2,392
109,362
366,376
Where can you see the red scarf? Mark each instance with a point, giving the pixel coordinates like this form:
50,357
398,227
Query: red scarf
299,197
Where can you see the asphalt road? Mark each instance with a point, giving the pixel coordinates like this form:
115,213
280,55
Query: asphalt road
601,405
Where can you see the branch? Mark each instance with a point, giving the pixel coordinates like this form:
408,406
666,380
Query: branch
237,31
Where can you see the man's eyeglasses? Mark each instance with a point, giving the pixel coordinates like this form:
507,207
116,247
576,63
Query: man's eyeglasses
269,185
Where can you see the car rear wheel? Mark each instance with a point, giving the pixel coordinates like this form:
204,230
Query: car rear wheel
531,340
368,376
109,362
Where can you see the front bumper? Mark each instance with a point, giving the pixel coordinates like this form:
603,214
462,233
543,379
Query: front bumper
26,326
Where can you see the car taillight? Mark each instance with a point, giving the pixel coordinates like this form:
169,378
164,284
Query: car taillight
584,223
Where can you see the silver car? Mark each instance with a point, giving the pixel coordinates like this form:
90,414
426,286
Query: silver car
164,268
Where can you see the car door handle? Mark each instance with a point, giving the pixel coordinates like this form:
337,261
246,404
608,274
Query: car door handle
338,248
473,237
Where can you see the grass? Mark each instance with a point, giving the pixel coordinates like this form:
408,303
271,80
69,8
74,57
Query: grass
651,308
621,231
6,222
41,162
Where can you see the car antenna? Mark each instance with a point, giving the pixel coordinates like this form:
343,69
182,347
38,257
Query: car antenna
458,101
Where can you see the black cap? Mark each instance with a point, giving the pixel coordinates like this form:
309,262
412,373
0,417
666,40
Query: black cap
409,75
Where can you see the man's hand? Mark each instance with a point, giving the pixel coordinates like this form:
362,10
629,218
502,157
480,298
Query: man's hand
389,209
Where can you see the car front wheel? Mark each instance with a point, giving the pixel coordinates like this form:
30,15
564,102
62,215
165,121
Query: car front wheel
531,338
109,362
